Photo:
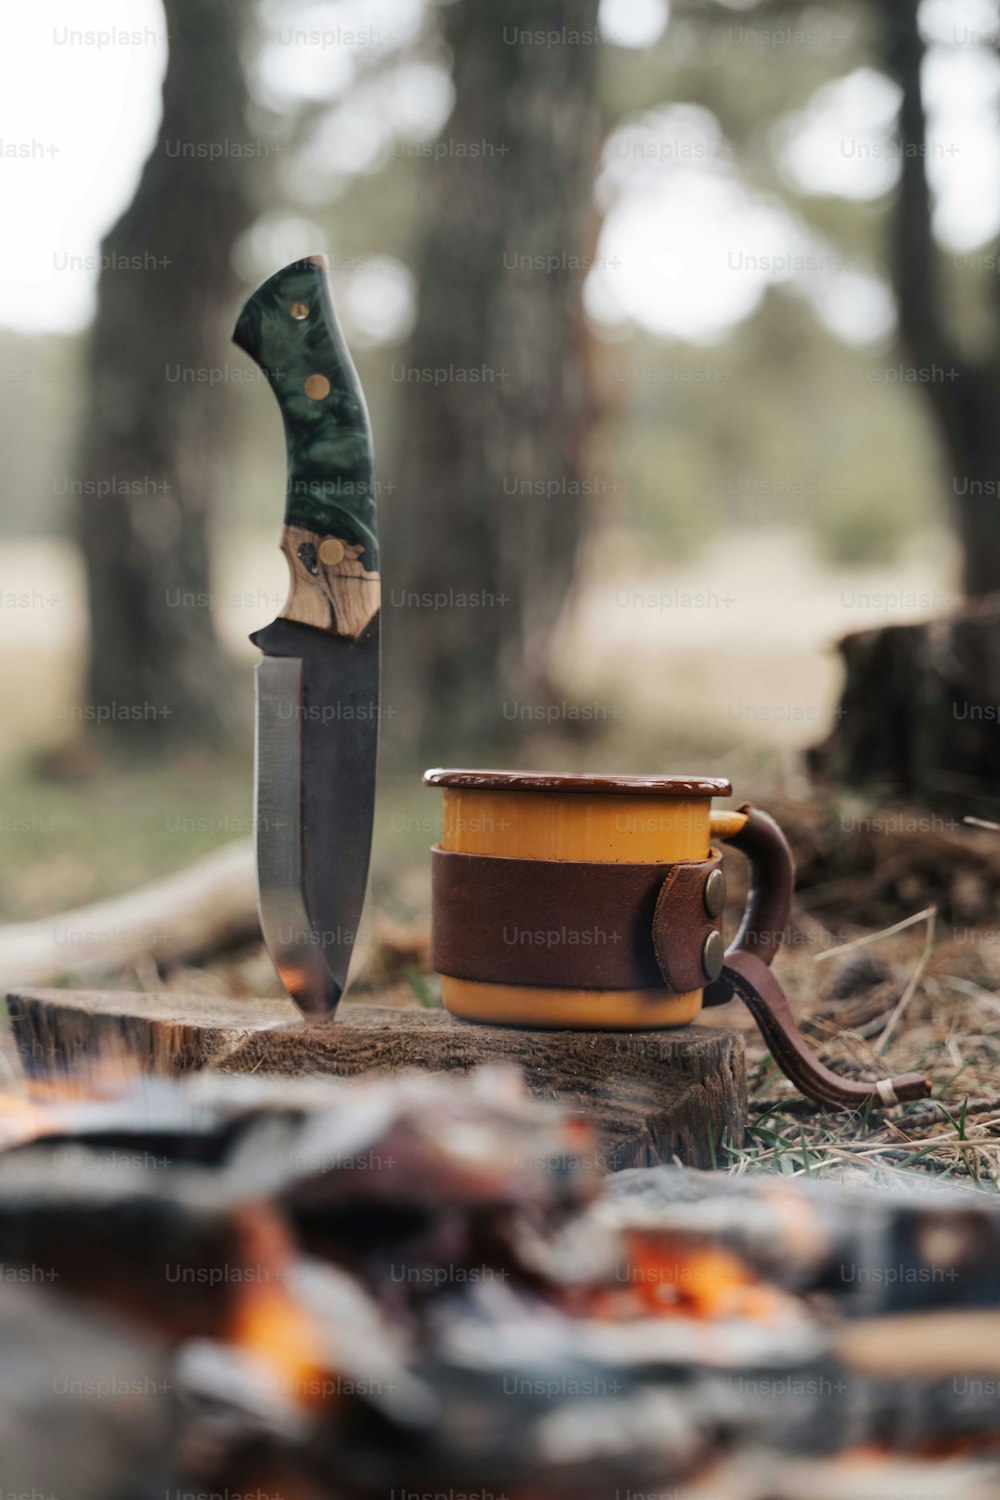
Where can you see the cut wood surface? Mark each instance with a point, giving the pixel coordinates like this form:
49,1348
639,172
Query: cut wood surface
652,1095
199,910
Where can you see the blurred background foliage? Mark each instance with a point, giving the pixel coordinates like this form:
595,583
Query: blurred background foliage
771,395
731,385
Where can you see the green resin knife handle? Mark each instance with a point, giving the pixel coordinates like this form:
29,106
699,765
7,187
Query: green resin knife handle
289,328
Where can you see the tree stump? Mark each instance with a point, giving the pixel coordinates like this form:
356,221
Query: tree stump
919,716
651,1095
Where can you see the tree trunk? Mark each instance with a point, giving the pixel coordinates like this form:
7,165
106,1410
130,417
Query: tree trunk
481,544
920,712
156,397
964,395
974,449
917,718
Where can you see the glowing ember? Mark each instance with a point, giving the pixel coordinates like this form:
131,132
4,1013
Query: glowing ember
267,1322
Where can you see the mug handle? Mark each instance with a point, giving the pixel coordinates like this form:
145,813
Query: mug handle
769,897
746,968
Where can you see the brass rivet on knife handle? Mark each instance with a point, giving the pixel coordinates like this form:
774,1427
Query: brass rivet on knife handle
329,586
317,387
299,311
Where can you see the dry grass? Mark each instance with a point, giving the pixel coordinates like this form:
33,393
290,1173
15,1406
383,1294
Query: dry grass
921,1000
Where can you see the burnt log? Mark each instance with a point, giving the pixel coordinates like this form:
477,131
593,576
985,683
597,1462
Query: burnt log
508,1323
652,1096
919,715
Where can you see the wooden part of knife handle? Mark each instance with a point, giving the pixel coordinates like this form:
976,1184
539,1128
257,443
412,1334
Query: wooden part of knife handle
329,587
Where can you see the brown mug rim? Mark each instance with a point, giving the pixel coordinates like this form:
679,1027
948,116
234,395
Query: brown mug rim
575,781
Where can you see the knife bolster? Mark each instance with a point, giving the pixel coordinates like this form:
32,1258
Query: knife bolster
329,587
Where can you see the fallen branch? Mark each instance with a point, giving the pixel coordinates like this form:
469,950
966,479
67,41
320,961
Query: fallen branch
199,910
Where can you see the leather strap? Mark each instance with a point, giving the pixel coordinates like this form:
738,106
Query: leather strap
764,997
570,924
746,972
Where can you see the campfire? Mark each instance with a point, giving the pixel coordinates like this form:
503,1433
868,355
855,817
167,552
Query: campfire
423,1284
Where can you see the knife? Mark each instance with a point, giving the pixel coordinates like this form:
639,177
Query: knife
318,680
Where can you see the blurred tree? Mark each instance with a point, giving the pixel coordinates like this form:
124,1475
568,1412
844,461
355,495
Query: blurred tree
964,407
911,719
150,435
481,549
708,57
960,387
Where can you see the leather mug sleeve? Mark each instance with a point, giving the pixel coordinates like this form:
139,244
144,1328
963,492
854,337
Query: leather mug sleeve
569,924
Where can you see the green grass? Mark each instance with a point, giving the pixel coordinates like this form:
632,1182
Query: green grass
68,842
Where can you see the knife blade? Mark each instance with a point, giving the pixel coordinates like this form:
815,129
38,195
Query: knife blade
318,680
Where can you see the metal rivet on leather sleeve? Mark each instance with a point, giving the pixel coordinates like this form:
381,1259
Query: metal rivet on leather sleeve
712,955
715,893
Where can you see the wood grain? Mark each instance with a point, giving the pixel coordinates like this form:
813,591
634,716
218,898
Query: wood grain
339,597
652,1096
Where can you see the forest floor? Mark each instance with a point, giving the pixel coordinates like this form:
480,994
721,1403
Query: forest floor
925,997
892,959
